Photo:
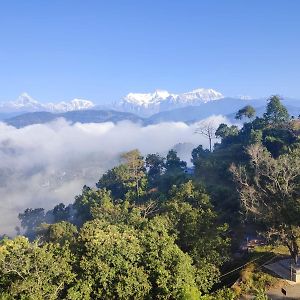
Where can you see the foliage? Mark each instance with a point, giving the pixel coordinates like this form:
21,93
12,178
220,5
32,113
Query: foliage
276,113
156,167
152,230
248,111
31,219
61,232
269,191
224,131
225,294
31,271
255,282
110,262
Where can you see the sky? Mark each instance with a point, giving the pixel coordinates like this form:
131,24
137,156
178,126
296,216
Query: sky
101,50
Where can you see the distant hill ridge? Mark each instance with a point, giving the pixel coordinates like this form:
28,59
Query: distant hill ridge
158,105
140,103
25,103
190,114
83,116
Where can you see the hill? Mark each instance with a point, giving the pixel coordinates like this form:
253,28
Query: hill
83,116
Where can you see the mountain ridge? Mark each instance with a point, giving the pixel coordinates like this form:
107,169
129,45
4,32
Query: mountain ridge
162,100
189,114
142,103
25,103
80,116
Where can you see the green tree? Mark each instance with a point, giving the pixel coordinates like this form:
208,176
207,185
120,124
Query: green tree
60,213
123,255
110,263
30,271
248,111
127,180
198,232
31,219
174,171
276,113
114,180
199,153
170,270
224,131
269,191
173,163
155,165
136,171
61,232
89,199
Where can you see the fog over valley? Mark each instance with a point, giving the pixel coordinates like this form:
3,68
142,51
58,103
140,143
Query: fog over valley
45,164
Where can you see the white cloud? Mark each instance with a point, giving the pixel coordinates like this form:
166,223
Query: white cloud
42,165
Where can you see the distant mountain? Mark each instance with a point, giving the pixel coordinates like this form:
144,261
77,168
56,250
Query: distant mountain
160,100
26,103
191,114
187,107
226,107
7,115
83,116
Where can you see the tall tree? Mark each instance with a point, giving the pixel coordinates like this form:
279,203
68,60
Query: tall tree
127,179
135,164
110,263
118,261
173,163
269,191
31,219
208,130
276,113
248,111
114,180
199,153
155,165
224,131
198,231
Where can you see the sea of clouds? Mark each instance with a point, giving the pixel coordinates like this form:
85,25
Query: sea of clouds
43,165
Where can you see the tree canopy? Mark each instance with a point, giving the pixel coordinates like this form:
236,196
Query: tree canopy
157,228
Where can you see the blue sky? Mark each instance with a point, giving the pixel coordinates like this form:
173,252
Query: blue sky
101,50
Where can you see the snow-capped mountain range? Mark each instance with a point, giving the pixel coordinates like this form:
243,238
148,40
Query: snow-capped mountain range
26,103
160,100
141,103
142,108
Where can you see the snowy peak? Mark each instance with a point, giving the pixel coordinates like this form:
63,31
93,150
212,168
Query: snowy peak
81,103
160,100
26,103
75,104
146,99
142,103
24,100
202,94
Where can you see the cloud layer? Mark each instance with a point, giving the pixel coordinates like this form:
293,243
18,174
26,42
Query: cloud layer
42,165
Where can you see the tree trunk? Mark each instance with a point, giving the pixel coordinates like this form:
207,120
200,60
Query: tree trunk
137,188
294,249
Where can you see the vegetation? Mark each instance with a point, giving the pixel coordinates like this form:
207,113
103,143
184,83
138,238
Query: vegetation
151,230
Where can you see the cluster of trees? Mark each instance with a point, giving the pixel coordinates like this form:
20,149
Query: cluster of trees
262,161
150,230
145,232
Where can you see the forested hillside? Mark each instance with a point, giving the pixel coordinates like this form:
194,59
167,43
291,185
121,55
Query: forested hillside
153,228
